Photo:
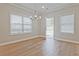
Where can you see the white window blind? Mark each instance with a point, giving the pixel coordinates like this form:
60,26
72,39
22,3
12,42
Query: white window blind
27,24
67,24
16,24
20,24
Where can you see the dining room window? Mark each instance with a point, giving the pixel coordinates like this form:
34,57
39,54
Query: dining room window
27,25
20,24
67,24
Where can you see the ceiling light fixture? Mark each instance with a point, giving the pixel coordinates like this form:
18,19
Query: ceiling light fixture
36,15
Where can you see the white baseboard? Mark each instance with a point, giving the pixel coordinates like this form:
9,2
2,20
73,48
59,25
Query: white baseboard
42,36
66,40
6,43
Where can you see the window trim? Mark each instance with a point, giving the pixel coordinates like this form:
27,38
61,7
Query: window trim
67,24
21,25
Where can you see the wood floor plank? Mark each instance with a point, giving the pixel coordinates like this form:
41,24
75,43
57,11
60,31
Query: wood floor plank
40,47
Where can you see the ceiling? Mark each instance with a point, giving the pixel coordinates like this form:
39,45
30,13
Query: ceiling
49,7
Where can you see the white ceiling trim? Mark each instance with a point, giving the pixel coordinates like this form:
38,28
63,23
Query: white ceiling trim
22,7
30,10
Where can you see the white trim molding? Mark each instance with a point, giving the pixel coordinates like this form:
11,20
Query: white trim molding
11,42
66,40
22,7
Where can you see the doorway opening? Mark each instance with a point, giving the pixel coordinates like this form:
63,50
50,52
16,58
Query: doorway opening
50,27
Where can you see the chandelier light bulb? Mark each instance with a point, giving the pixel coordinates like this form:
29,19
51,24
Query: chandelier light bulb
35,16
40,17
43,6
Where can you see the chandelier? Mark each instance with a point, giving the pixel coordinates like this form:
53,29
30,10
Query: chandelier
36,16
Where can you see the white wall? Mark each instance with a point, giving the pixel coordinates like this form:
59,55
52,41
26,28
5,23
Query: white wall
39,26
43,27
5,11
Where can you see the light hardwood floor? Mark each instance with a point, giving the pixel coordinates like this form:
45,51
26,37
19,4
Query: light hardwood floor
40,47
